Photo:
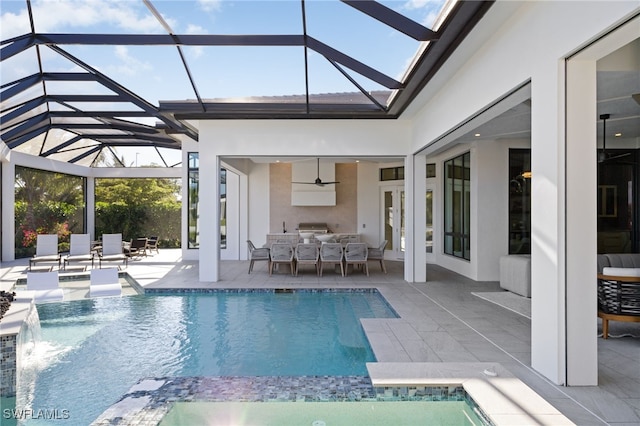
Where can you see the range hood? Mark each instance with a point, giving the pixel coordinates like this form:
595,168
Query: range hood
313,195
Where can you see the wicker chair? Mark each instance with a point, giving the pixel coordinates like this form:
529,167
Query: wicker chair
307,254
258,254
281,253
618,296
377,253
331,254
355,254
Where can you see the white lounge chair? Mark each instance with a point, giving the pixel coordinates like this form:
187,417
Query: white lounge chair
105,282
46,250
112,249
45,286
79,250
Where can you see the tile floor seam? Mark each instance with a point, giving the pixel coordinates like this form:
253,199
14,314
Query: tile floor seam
544,379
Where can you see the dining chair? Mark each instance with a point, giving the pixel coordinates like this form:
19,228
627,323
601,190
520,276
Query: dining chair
377,253
331,254
258,254
281,253
307,254
355,254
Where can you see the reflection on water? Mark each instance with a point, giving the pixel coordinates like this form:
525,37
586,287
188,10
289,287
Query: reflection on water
92,351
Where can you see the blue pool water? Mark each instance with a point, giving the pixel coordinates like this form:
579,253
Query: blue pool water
92,351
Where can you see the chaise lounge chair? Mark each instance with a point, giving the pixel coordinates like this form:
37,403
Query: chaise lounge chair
79,250
105,282
112,249
46,250
45,286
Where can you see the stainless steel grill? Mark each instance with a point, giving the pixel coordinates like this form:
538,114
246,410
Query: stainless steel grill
315,227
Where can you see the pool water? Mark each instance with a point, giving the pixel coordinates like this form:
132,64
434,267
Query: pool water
405,413
92,351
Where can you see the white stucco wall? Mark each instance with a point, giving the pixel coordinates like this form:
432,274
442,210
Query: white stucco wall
285,138
518,42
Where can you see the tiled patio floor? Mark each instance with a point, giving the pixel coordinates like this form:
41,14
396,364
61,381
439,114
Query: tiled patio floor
441,321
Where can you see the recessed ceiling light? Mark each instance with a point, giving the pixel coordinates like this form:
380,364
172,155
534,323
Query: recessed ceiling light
617,135
477,134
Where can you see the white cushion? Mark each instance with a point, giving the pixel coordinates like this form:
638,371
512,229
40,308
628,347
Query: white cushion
621,272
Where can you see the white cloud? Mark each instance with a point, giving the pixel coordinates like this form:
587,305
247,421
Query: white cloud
210,5
195,52
431,8
129,65
55,16
14,24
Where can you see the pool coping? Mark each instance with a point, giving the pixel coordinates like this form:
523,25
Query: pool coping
504,398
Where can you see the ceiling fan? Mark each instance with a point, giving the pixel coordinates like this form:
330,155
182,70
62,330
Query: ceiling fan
318,181
603,156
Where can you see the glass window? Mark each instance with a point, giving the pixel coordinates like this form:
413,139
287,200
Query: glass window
47,203
193,213
519,201
392,173
457,206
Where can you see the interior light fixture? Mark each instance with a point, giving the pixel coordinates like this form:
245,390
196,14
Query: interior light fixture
617,135
477,134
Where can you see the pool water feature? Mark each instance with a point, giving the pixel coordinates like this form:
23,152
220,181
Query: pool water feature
93,351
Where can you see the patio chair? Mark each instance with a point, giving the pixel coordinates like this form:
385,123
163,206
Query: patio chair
46,250
281,253
112,249
79,250
377,253
45,286
307,254
355,254
137,247
331,254
257,254
152,244
105,282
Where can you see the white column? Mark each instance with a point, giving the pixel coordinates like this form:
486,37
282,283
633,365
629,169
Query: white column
90,209
8,211
547,222
418,193
209,206
581,224
244,215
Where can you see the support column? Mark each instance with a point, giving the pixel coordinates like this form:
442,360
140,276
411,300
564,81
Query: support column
548,350
8,211
90,208
209,207
581,224
418,193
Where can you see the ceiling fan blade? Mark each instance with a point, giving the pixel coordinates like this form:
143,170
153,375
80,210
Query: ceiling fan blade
614,157
318,181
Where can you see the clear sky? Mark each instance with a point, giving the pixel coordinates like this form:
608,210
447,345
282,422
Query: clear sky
156,73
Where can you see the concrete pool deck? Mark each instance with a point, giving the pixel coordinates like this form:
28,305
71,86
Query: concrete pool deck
441,322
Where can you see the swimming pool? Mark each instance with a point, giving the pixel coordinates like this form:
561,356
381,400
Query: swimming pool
405,413
92,351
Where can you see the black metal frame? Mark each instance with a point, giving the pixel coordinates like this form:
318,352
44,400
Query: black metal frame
16,130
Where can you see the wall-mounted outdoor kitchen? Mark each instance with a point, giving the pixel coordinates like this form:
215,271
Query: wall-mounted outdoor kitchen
340,217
